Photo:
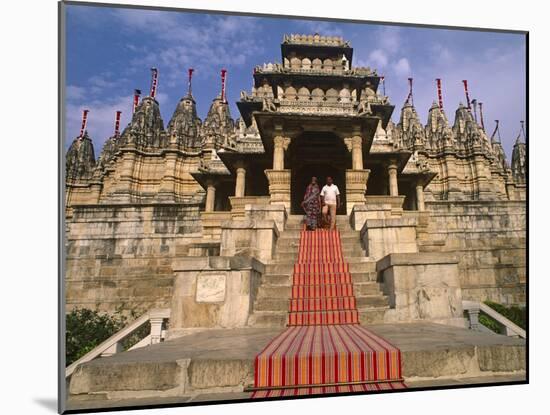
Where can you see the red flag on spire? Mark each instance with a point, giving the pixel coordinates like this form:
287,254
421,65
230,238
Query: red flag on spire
190,72
439,95
84,122
224,72
117,123
137,94
465,82
154,80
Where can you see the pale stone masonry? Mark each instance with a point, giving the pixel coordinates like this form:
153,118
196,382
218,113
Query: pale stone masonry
202,216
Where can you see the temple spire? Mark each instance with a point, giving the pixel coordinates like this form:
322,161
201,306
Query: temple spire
410,99
495,137
190,76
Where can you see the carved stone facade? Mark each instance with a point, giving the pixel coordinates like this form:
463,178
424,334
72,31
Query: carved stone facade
159,197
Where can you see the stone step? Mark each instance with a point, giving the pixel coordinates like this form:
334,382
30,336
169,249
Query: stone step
268,319
372,315
273,291
371,301
292,246
286,279
374,300
349,249
271,304
356,265
367,288
295,234
350,252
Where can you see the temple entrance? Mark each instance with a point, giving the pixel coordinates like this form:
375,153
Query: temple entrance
319,155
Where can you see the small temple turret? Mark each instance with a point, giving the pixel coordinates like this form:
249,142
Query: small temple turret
108,152
185,125
438,131
519,158
409,128
80,158
218,127
498,150
146,130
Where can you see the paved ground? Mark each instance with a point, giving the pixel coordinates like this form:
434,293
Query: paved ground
247,342
433,355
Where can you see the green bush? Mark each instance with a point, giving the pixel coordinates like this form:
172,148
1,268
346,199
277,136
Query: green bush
513,313
517,315
86,329
489,323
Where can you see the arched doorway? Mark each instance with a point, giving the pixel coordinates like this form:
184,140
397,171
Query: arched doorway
320,155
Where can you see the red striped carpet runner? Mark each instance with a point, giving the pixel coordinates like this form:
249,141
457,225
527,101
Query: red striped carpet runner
324,349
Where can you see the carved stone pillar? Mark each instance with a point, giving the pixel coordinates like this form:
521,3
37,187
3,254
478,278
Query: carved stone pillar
356,187
420,205
210,197
280,144
357,152
240,182
392,175
279,187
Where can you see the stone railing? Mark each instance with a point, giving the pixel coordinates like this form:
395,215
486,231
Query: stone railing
507,327
113,344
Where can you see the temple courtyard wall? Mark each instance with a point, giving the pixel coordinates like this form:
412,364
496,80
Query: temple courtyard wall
120,256
489,239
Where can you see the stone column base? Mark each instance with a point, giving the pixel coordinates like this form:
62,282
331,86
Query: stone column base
279,187
356,187
238,204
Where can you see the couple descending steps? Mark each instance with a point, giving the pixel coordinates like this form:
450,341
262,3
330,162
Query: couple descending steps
324,349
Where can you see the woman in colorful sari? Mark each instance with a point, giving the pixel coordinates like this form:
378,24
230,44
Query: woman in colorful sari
312,204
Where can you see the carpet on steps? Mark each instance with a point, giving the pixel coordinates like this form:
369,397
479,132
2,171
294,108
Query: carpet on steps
324,349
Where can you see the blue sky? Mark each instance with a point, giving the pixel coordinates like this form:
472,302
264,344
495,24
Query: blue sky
110,52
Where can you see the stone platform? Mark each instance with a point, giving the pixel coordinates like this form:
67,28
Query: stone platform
217,364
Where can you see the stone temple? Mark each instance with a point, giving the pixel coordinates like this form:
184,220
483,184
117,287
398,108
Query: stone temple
202,217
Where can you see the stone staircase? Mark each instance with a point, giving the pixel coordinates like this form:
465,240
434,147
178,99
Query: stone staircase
271,306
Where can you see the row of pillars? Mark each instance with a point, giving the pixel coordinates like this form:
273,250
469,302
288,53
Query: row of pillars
279,164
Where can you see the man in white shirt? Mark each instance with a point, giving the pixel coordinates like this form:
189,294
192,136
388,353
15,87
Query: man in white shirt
330,200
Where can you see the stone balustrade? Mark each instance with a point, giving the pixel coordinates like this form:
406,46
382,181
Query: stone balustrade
113,345
507,327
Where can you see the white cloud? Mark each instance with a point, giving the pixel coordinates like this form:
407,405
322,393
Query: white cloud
389,39
73,92
402,67
378,59
220,41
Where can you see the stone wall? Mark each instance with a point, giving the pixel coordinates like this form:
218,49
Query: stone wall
122,255
489,238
